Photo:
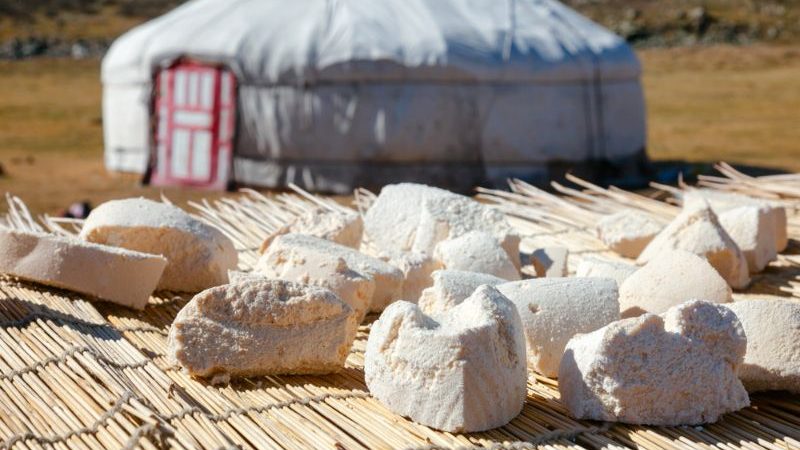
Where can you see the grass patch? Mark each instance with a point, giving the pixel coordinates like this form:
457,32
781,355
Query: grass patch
734,104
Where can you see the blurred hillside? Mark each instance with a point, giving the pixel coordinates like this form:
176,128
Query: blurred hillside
686,22
78,28
85,28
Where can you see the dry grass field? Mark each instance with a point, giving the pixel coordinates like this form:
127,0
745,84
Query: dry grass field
51,137
66,24
738,104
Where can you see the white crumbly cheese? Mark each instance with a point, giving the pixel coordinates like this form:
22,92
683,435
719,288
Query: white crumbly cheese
316,265
553,310
772,361
307,252
113,274
448,217
751,227
391,222
628,232
679,369
417,269
697,230
262,327
416,217
336,226
459,371
198,255
603,268
669,280
476,251
724,201
550,261
451,287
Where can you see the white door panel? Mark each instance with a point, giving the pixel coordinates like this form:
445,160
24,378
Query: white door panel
194,125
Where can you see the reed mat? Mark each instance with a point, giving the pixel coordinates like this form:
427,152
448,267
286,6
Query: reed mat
81,374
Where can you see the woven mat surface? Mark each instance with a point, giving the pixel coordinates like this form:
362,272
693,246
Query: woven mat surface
81,374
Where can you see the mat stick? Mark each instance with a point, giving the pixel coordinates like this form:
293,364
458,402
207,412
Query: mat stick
56,380
354,426
319,409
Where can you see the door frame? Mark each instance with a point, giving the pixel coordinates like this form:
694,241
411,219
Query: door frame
216,180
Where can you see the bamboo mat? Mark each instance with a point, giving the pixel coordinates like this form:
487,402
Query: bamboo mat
80,374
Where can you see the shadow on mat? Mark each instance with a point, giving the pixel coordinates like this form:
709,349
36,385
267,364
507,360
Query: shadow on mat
774,280
18,312
159,312
637,173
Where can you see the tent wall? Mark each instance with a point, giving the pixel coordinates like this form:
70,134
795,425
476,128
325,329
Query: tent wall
126,126
336,137
342,178
623,118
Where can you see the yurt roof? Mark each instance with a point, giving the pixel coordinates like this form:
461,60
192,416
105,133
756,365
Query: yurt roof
303,42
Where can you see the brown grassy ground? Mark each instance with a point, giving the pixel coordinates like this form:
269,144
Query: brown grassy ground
738,104
741,105
70,25
51,142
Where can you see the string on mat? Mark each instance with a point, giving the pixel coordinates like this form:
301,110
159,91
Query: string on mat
155,432
173,300
227,414
69,353
150,430
141,329
555,435
63,437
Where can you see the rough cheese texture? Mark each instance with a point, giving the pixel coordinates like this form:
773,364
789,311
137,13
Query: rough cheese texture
262,327
109,273
679,369
390,224
697,230
300,255
451,287
351,287
417,269
448,217
336,226
628,232
752,228
550,261
724,201
476,251
198,255
772,361
673,278
318,265
553,310
460,371
604,268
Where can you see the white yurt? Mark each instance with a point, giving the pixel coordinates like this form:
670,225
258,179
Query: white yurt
334,94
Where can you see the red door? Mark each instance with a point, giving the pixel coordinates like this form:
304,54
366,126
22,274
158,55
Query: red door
194,111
